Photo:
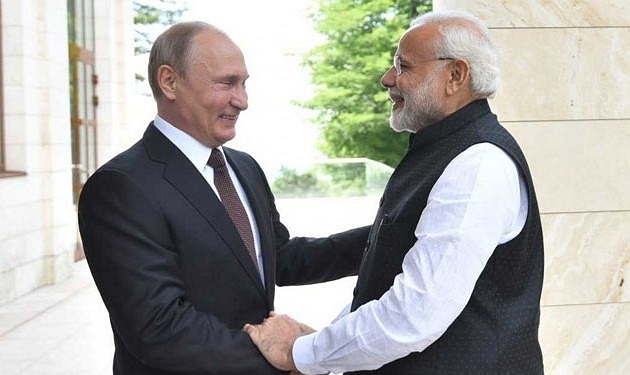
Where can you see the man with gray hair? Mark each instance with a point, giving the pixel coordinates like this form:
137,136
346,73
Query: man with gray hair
451,280
181,233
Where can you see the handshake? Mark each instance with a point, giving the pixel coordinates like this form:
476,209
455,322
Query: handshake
275,336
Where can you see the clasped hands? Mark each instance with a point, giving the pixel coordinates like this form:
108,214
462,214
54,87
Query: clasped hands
275,336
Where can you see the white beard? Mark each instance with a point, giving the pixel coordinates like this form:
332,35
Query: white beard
421,108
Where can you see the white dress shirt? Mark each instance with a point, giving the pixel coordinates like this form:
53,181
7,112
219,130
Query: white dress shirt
479,202
198,154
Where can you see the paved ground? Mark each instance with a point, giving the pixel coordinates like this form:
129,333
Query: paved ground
57,329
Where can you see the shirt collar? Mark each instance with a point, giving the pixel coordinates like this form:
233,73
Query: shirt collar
194,150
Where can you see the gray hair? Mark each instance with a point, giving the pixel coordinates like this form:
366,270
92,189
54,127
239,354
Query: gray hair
174,47
463,36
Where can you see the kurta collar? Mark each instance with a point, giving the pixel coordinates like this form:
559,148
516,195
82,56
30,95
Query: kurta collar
455,121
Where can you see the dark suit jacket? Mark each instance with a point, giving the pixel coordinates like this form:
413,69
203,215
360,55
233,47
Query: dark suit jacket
172,270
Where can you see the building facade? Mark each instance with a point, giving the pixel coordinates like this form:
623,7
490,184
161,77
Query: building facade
67,83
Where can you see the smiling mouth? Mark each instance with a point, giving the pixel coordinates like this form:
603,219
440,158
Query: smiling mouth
397,100
229,117
394,97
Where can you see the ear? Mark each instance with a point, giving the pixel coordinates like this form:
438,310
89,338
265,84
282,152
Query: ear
459,78
167,79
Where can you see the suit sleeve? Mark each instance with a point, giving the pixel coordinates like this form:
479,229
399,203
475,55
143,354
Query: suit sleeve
308,260
134,263
305,260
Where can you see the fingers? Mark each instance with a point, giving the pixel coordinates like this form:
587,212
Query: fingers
250,328
278,332
274,338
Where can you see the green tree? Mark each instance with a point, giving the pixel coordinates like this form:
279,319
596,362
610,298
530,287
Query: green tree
292,184
147,14
149,18
351,106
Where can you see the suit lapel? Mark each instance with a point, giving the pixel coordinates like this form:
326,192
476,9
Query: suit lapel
182,174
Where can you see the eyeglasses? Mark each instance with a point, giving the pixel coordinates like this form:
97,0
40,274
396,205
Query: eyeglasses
398,67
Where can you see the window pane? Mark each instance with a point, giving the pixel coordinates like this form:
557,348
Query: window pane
79,23
90,149
89,25
71,20
72,73
81,91
89,93
83,154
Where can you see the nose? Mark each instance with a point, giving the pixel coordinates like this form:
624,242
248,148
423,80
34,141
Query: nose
389,78
239,99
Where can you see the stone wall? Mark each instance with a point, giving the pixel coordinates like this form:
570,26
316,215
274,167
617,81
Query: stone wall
38,230
565,97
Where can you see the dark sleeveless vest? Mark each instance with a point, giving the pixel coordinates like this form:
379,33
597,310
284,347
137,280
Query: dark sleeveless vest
497,332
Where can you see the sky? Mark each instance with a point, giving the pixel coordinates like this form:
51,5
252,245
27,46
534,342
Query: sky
273,35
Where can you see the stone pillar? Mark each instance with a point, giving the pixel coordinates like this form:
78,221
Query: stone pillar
565,96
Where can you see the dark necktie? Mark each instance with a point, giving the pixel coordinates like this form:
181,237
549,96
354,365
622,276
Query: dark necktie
231,201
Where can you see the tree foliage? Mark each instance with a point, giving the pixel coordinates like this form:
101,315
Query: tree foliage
149,13
352,107
149,18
